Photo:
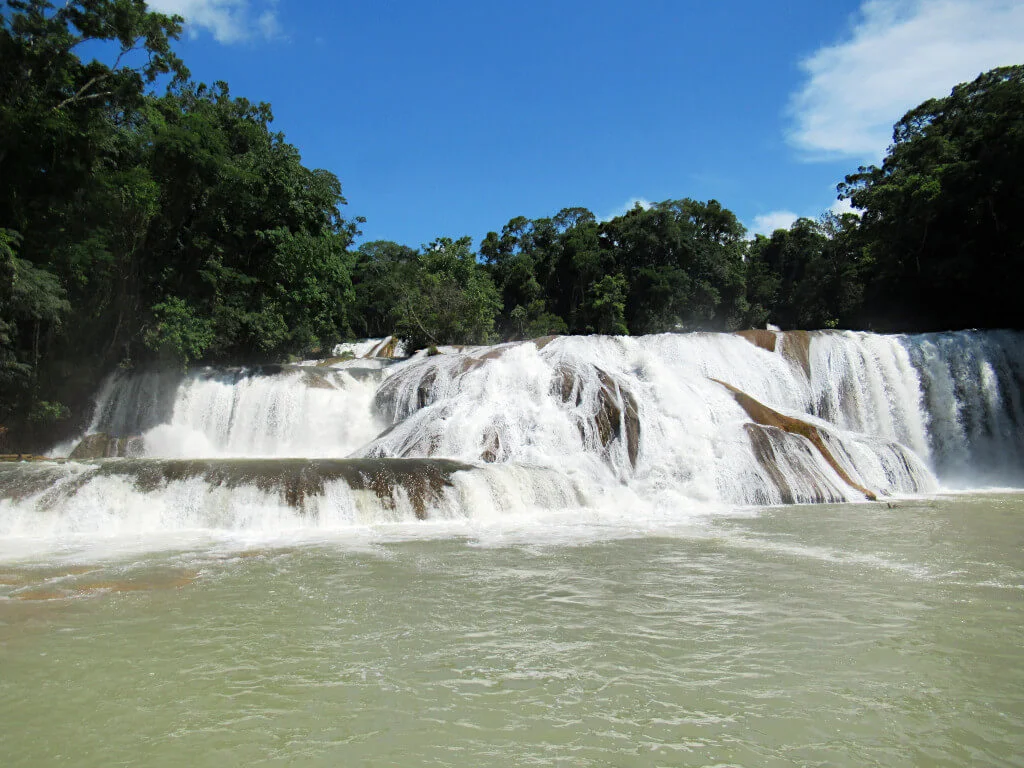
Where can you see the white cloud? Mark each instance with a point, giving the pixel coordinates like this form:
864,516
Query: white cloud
839,207
898,54
230,21
627,206
269,26
767,223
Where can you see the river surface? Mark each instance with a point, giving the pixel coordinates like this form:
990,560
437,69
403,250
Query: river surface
846,635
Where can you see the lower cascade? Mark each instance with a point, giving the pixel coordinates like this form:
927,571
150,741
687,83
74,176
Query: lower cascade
672,424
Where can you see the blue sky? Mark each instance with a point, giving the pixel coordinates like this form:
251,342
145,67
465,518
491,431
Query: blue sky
449,118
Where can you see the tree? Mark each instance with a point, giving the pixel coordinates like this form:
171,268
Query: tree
32,301
683,261
941,224
449,300
56,111
606,305
380,270
247,236
809,276
70,191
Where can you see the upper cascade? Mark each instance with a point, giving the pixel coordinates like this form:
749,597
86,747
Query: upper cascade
761,417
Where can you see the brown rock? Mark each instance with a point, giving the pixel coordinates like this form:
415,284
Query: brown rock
329,361
317,378
761,414
796,347
766,340
543,341
100,445
762,440
295,480
386,348
492,446
617,416
566,385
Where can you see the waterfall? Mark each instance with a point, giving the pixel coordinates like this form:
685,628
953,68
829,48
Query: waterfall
665,425
271,411
972,390
955,399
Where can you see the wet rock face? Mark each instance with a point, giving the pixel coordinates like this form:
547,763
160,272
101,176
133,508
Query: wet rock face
605,410
766,340
422,481
616,417
327,362
566,384
542,341
761,414
796,347
793,345
318,378
427,381
492,451
407,391
386,348
100,445
763,440
21,480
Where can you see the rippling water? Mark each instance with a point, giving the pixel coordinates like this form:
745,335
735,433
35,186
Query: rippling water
819,635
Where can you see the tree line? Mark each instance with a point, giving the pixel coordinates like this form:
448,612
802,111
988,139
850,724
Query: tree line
146,219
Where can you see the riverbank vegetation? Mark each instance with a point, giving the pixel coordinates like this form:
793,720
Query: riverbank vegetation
149,219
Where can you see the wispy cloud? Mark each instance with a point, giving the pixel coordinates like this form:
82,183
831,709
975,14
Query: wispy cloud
627,206
839,207
767,223
897,54
229,21
269,25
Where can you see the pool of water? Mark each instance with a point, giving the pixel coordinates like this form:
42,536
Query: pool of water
846,635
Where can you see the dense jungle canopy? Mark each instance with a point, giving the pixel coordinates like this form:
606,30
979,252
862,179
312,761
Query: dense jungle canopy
149,219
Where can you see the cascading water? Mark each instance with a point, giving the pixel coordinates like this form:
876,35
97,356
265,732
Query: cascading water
954,398
668,425
973,386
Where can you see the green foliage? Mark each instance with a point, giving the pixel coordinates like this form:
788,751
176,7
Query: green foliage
606,305
379,270
177,332
809,276
264,254
46,412
449,300
534,321
678,264
32,301
941,217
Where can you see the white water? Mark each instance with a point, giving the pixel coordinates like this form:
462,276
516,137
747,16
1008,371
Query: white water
899,414
954,398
